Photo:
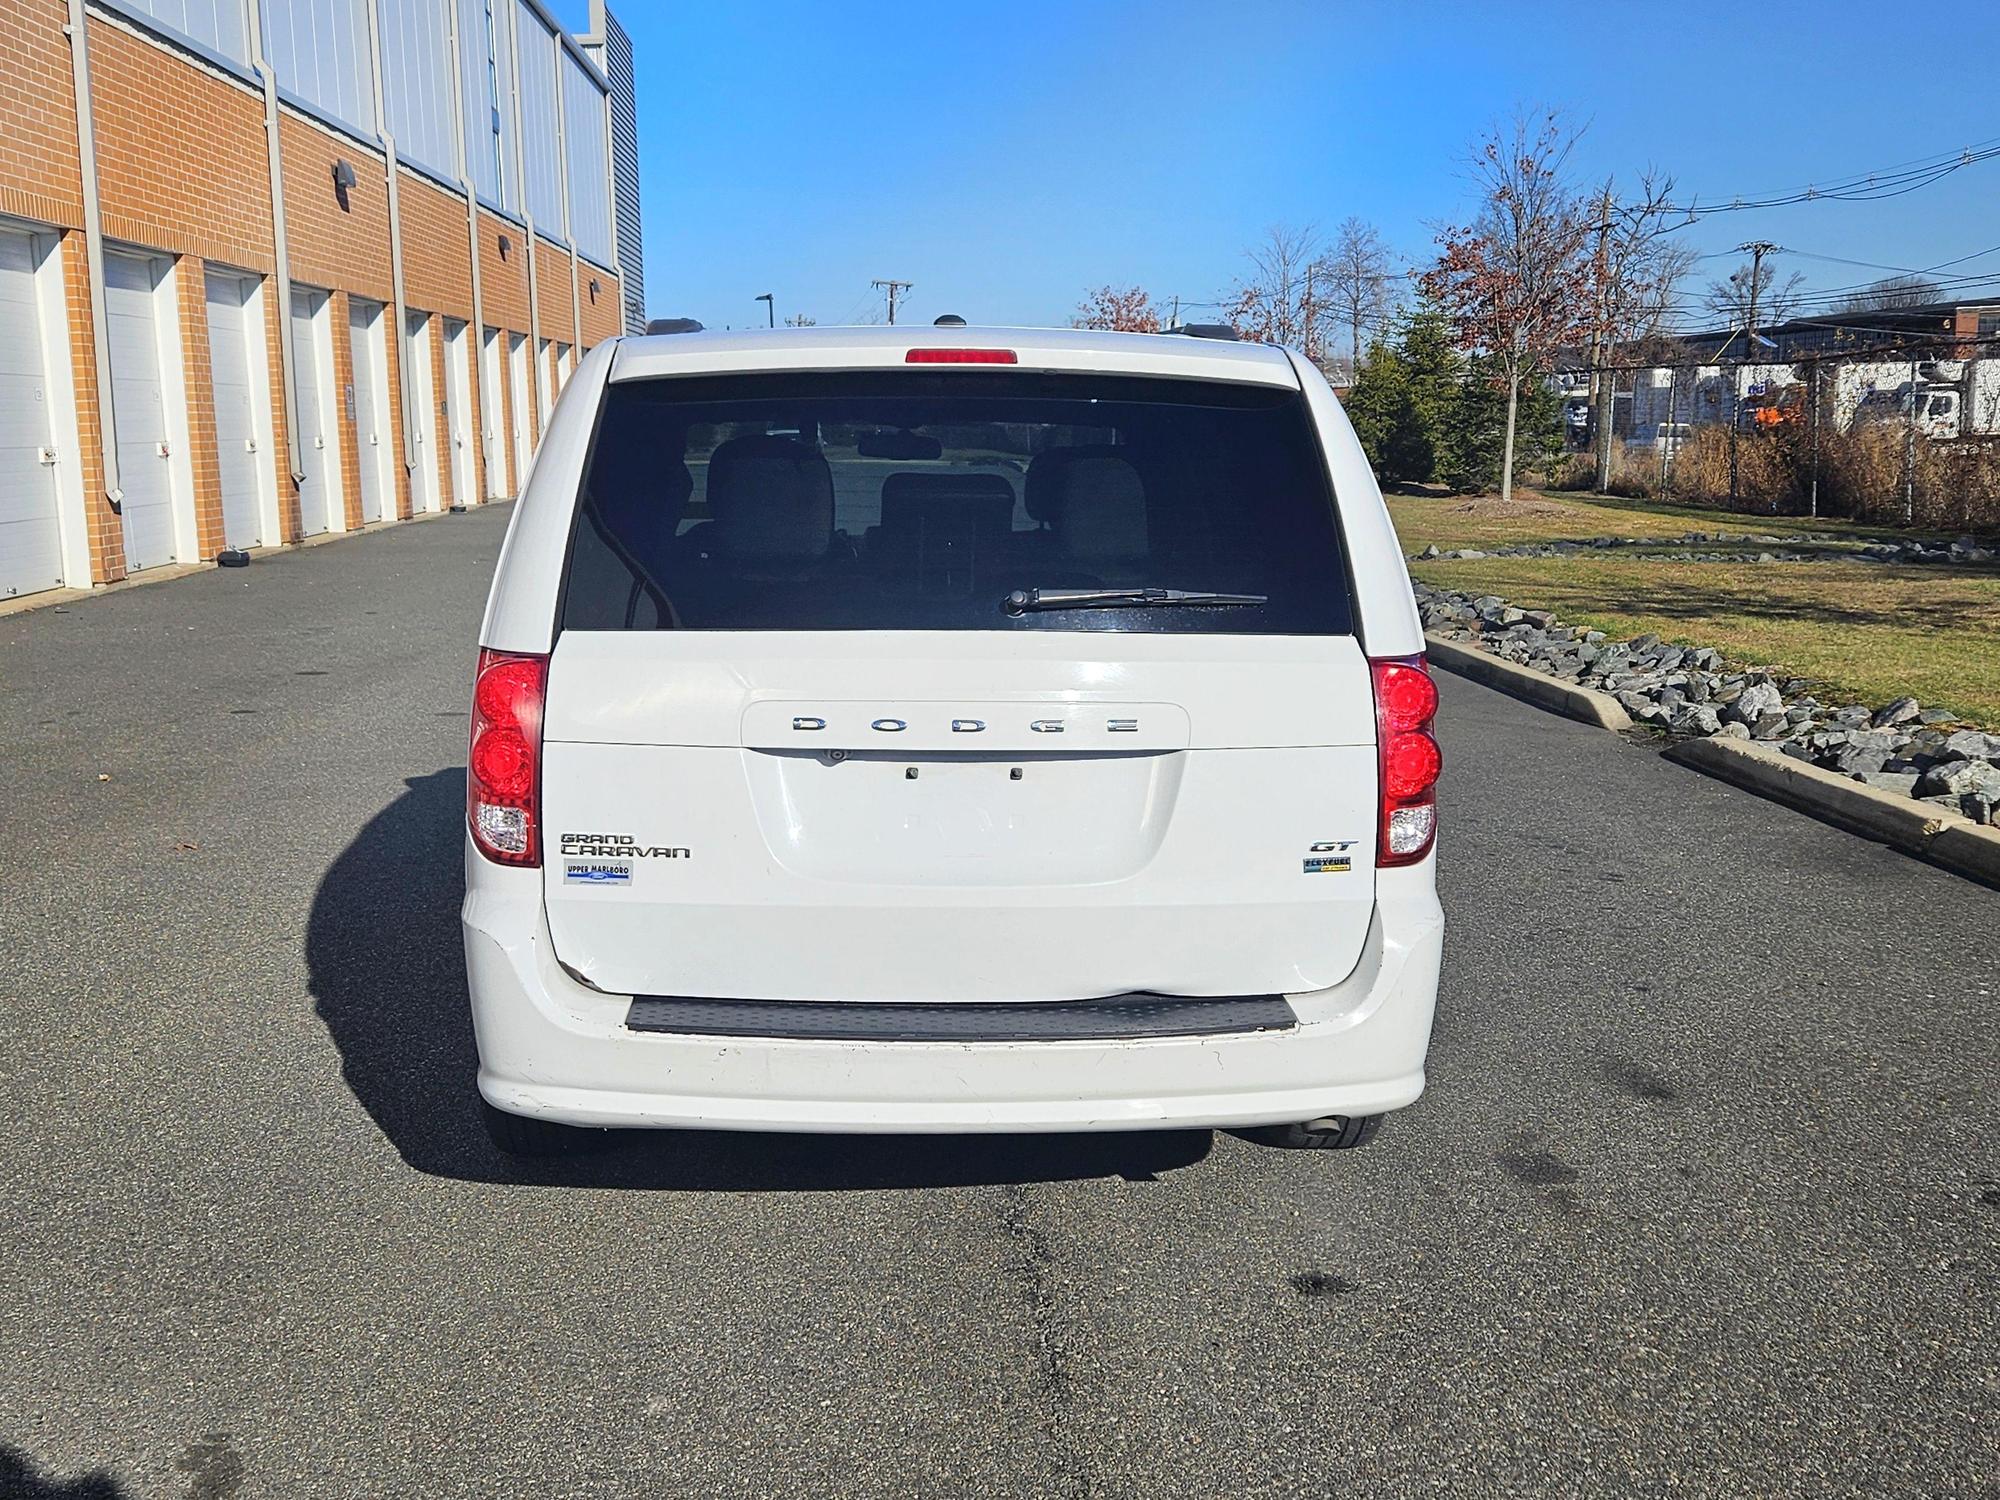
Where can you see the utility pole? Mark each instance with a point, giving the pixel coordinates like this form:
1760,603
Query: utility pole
892,286
1306,313
1910,451
1600,350
1756,250
1175,321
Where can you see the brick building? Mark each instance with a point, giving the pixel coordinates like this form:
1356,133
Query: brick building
271,269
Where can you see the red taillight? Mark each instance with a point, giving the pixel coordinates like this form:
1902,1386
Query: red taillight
1408,758
960,357
503,771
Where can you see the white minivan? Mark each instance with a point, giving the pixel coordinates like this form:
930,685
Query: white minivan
950,729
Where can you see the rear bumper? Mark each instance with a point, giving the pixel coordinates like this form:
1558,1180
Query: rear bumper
552,1048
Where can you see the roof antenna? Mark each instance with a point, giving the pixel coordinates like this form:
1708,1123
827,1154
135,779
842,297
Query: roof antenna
947,320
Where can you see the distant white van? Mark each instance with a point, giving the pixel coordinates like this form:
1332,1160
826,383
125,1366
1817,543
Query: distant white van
950,730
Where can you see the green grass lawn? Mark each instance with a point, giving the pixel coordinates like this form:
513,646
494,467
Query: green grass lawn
1488,521
1866,632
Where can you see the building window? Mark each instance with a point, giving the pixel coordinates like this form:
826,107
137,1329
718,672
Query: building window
493,106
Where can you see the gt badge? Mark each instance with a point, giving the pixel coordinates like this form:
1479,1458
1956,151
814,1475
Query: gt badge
1329,857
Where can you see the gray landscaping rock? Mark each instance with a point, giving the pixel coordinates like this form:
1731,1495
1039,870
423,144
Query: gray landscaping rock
1695,718
1960,778
1686,690
1970,744
1979,809
1770,727
1858,759
1757,701
1902,783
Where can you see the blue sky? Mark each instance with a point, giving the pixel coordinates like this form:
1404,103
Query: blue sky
1007,157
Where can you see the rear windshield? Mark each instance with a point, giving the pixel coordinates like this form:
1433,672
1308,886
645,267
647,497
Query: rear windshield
920,500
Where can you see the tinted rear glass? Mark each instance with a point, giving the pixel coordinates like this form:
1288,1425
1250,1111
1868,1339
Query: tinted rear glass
893,500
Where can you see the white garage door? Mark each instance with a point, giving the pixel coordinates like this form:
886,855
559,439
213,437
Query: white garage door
139,407
312,386
491,411
30,537
458,408
423,444
367,410
232,366
517,379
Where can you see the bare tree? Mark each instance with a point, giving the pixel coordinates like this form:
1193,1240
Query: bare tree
1635,272
1356,280
1127,309
1776,300
1892,292
801,320
1515,279
1275,304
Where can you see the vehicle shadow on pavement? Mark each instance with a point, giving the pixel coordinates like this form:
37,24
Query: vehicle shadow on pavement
387,976
19,1481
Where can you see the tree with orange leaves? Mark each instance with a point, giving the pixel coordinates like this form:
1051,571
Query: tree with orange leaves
1118,310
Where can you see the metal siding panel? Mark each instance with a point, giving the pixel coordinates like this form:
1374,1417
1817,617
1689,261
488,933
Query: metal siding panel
320,51
625,171
416,81
583,134
472,48
30,536
214,24
501,32
538,119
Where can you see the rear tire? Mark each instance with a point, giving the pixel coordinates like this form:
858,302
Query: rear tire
524,1135
1334,1133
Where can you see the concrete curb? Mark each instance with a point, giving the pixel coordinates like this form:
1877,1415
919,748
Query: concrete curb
1945,838
1586,705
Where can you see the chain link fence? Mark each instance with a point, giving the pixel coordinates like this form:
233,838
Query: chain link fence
1894,436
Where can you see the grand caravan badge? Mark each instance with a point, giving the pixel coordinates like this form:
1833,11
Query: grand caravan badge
616,846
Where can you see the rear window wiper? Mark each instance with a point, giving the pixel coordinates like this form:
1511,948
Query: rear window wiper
1022,600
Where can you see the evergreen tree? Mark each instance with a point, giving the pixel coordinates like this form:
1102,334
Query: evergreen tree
1476,427
1378,404
1404,397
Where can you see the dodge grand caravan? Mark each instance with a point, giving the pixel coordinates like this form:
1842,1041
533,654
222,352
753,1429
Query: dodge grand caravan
950,729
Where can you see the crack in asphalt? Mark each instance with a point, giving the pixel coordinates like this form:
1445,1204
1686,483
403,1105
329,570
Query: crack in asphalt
1033,1271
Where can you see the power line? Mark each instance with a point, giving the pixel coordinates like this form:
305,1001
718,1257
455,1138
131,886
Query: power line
1862,187
892,286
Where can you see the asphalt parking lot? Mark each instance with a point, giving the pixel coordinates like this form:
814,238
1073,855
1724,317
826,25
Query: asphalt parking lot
1703,1199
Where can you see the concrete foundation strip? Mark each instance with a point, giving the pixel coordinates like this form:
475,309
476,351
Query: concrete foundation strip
1944,838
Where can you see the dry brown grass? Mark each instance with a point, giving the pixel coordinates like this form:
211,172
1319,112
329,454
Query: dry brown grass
1488,521
1862,476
